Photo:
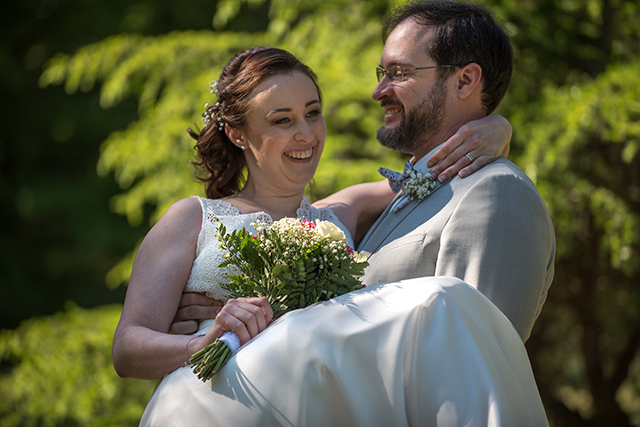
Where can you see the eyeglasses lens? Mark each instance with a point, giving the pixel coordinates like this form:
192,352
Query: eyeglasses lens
393,73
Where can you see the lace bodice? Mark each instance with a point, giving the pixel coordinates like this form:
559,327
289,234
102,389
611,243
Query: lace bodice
205,274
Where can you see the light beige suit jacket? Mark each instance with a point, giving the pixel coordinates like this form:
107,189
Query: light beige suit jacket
491,229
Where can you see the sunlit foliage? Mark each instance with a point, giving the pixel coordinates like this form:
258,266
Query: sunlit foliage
582,149
574,106
58,370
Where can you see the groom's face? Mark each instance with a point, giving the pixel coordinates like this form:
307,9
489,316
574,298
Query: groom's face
417,126
415,105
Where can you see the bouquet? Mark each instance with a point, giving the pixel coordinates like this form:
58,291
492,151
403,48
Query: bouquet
292,262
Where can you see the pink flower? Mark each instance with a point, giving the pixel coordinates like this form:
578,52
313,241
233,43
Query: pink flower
309,223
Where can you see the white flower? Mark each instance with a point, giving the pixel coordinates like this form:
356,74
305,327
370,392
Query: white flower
419,186
330,231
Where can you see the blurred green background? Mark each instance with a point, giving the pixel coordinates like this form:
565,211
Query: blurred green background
97,97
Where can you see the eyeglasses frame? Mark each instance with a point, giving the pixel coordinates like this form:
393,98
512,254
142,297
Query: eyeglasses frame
382,72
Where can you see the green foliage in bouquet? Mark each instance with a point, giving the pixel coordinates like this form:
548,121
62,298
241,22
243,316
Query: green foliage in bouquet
293,269
294,263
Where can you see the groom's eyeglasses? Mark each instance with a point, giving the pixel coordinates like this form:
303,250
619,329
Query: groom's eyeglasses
396,72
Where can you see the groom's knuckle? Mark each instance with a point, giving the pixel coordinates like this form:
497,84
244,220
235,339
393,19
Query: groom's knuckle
190,312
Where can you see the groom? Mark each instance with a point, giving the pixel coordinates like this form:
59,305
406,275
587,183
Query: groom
444,64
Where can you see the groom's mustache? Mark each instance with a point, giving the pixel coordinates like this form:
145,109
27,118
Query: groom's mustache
386,102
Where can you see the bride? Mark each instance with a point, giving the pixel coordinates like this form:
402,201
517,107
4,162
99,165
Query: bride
429,351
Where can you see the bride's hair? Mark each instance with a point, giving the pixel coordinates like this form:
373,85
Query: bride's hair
222,162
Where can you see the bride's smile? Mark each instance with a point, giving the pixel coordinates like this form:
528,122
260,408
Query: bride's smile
300,155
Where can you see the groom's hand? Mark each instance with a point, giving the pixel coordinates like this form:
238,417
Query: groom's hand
193,308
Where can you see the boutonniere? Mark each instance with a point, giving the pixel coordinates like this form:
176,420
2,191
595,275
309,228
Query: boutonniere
419,185
416,184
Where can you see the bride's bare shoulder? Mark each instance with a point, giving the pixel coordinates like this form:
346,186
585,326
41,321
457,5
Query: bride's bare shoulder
182,217
187,208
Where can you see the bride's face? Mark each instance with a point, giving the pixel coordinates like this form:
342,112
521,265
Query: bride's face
284,132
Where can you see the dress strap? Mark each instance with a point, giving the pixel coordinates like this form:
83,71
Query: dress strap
312,213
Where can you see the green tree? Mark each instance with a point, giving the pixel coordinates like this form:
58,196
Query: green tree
583,150
573,105
58,238
63,373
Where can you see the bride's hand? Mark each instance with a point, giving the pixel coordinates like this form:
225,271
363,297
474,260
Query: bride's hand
247,317
484,140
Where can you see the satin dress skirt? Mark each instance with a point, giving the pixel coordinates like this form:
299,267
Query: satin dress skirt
422,352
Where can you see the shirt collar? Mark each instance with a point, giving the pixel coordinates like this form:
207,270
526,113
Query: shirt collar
421,164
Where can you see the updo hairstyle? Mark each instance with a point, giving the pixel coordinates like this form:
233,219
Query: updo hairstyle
222,161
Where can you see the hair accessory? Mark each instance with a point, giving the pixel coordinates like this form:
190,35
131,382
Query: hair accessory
209,113
206,116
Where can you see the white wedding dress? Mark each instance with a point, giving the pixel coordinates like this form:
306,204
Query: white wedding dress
422,352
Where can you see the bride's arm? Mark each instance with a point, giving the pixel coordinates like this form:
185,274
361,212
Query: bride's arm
142,347
485,140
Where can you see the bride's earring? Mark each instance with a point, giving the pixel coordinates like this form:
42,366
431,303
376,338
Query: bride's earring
242,147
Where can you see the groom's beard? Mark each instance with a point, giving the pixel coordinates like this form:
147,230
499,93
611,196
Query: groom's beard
418,125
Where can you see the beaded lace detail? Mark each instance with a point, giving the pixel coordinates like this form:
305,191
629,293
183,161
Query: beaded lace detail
205,274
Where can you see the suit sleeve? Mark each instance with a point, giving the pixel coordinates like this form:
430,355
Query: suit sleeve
500,240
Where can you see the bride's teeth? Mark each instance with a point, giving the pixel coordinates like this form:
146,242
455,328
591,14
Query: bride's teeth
300,154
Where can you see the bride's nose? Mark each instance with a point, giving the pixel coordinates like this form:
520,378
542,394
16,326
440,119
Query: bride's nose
304,133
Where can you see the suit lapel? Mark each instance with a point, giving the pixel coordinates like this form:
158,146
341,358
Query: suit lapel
388,222
374,230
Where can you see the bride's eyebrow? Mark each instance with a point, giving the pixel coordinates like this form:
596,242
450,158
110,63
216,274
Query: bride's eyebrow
287,109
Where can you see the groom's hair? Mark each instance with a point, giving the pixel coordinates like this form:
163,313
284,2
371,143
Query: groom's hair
463,33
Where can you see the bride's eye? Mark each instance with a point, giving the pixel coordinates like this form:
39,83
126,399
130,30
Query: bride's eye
314,113
282,121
